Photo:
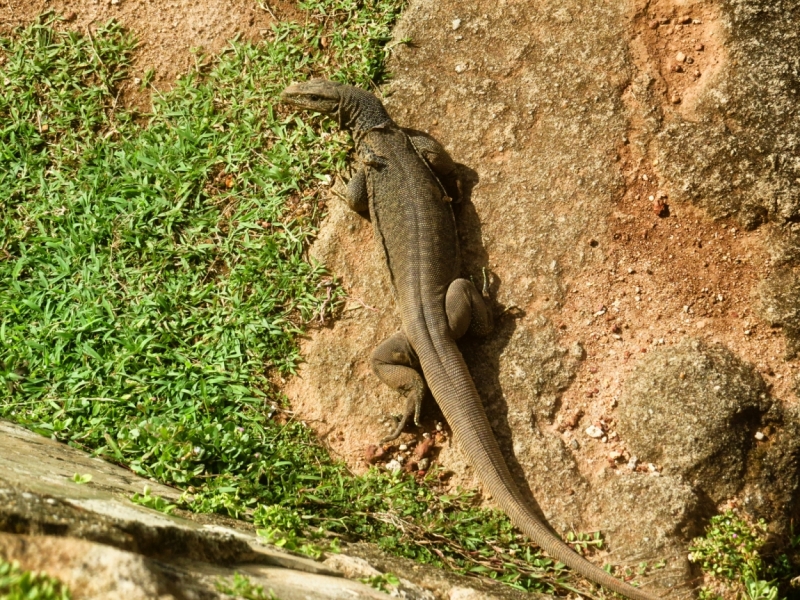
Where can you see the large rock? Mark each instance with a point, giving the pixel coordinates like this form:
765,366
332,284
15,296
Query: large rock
632,180
102,546
693,410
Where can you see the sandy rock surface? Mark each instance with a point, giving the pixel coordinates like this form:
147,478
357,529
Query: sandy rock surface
632,187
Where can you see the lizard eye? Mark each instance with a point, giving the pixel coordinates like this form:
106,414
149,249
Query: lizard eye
314,98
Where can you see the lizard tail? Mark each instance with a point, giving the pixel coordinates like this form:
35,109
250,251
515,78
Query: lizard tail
466,416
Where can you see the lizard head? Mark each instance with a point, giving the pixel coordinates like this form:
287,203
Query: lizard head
354,108
319,95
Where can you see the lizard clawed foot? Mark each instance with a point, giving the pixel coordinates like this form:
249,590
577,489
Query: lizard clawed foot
486,284
397,431
413,408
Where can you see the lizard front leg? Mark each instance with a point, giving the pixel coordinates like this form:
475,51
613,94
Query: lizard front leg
396,364
355,192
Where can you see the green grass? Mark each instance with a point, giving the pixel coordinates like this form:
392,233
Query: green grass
240,586
16,584
732,556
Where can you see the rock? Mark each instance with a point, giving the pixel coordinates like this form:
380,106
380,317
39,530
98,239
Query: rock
394,465
780,305
594,432
690,408
653,518
101,545
374,454
423,448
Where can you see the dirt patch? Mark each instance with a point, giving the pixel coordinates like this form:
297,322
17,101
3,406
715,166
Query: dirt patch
174,35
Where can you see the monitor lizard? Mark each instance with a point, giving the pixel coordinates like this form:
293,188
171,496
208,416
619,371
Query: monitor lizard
398,178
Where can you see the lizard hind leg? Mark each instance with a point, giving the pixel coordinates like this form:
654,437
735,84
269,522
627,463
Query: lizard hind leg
396,364
467,310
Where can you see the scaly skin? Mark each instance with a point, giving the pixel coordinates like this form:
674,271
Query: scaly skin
413,221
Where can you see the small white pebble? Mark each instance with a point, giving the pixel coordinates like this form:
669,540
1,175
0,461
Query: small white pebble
644,176
594,432
460,68
438,426
633,462
680,57
423,464
760,436
394,466
456,24
403,447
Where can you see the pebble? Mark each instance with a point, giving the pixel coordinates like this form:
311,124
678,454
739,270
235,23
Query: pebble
653,24
394,466
373,454
402,447
593,431
423,464
614,455
460,68
760,436
680,57
575,445
114,2
699,47
456,24
634,460
676,99
422,450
